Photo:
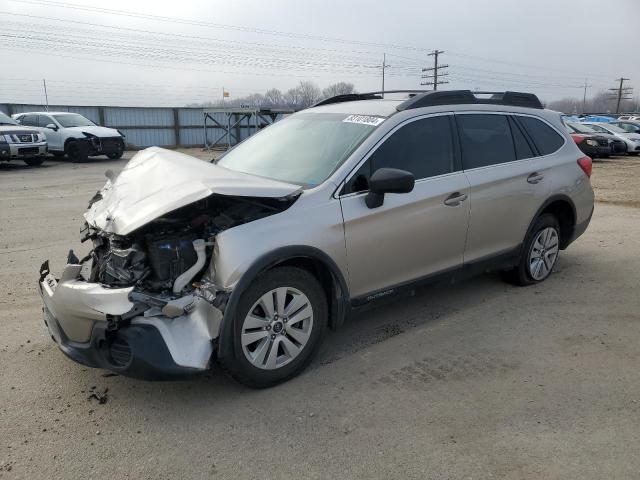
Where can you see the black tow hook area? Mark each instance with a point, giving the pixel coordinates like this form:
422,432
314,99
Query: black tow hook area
44,271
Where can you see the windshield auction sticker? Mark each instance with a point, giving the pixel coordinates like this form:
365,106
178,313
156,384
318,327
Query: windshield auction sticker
364,119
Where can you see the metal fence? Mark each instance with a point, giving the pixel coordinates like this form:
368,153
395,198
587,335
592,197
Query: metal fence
148,126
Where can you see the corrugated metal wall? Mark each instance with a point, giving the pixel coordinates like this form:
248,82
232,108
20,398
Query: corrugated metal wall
145,127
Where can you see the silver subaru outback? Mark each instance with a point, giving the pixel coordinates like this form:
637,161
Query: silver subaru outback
246,262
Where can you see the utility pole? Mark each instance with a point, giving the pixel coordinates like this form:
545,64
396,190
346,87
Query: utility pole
621,92
384,67
46,97
435,69
584,97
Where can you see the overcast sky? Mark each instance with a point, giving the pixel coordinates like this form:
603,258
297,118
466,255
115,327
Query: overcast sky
148,52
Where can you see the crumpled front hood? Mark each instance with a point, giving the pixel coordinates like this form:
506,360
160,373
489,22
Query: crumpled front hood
157,181
96,130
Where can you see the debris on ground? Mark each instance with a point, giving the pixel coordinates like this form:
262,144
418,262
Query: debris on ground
101,397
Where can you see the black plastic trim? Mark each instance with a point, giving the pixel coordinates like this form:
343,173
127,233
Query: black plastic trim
348,97
467,97
548,202
498,261
264,263
150,356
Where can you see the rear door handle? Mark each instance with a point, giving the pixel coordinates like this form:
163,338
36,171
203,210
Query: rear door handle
455,199
535,178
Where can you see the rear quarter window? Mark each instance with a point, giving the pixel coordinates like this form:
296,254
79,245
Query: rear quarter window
546,139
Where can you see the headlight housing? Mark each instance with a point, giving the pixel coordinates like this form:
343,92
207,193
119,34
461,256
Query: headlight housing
593,143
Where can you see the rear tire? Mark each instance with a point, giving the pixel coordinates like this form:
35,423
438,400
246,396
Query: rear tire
539,254
34,162
75,152
277,328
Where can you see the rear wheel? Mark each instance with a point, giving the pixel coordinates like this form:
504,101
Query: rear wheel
540,252
278,327
34,162
76,152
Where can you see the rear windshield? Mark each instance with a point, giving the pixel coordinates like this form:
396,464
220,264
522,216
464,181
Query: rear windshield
303,149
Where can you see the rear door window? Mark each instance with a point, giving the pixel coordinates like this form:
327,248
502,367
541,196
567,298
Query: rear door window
485,140
547,140
29,120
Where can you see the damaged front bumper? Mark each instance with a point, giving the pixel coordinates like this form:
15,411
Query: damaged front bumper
112,328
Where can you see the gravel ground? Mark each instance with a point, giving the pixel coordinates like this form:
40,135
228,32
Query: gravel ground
474,380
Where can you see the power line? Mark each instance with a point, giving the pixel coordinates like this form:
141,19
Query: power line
184,21
621,92
435,69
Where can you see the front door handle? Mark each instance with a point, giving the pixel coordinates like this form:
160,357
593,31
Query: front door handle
535,178
455,199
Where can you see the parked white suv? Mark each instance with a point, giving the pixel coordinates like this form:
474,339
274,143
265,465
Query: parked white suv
73,135
20,143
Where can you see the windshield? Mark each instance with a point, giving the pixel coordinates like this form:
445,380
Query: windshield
68,120
303,149
7,120
579,128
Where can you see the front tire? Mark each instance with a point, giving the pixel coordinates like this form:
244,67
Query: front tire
115,155
277,329
76,152
540,252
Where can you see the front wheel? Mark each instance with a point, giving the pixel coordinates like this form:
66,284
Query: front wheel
115,155
540,252
278,327
76,152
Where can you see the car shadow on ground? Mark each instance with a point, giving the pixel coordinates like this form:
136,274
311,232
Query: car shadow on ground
368,327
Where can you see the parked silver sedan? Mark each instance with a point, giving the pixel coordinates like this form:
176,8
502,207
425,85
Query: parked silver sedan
632,140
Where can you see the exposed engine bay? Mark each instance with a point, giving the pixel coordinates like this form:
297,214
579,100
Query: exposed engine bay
165,256
144,300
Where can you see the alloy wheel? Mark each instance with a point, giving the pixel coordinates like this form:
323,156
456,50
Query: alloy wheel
543,254
277,328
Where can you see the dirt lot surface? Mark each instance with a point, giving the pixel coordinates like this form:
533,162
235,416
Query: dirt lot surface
472,381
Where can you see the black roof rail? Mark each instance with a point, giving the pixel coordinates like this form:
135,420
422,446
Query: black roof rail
351,97
463,97
347,97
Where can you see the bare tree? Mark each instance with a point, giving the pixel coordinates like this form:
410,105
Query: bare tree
309,93
273,98
292,98
340,88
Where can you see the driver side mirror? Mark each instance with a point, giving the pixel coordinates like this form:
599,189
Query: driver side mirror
52,126
388,180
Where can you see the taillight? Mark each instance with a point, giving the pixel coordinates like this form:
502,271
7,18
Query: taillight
586,165
578,139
